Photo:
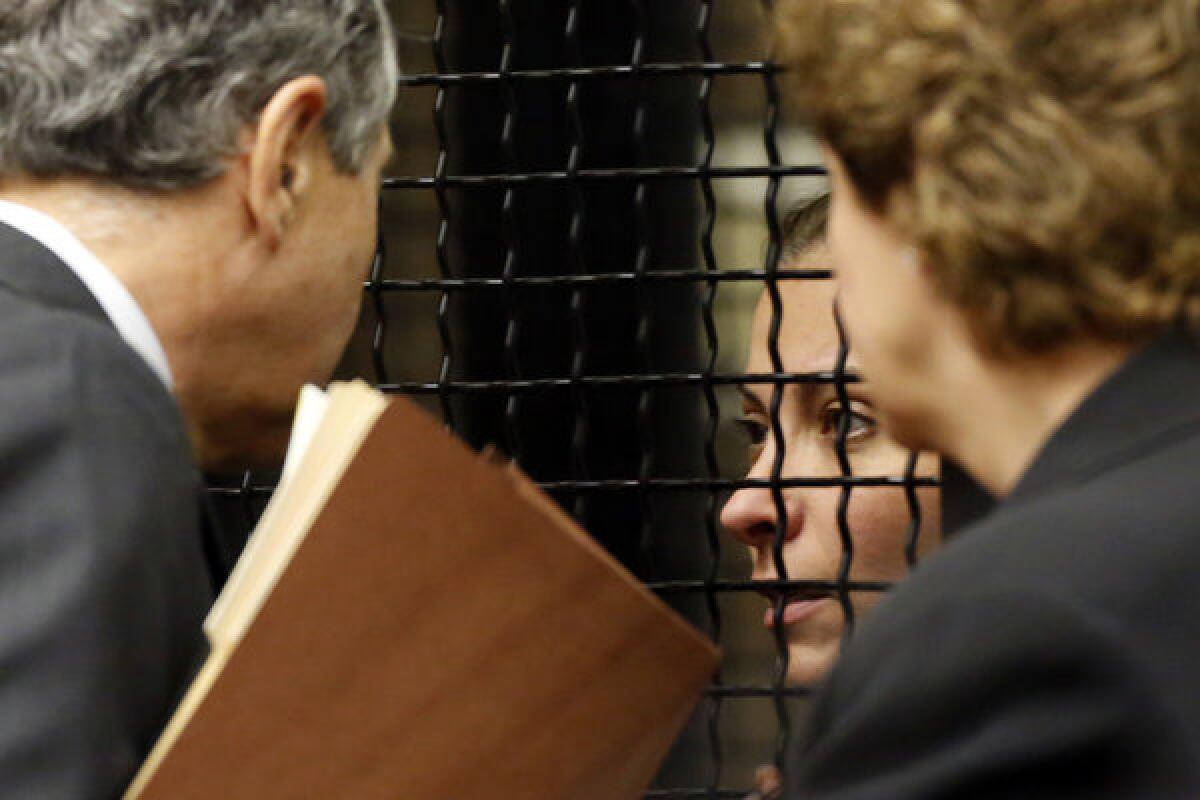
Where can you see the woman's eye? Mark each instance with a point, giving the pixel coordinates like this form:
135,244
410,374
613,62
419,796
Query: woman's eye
755,431
857,424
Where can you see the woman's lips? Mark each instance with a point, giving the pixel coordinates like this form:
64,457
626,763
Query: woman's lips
797,609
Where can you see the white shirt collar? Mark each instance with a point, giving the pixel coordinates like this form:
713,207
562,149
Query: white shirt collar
127,317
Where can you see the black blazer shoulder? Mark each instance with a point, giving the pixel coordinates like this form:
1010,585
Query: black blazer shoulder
1051,650
103,577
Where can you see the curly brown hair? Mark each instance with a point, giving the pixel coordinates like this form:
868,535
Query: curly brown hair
1044,154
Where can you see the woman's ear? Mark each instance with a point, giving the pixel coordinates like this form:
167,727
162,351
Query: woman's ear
282,153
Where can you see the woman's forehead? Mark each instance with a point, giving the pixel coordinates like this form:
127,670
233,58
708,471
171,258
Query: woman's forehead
808,337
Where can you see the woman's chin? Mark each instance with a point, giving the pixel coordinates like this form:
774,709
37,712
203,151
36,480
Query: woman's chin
809,664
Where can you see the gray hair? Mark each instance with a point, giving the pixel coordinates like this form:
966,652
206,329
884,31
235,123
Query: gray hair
151,94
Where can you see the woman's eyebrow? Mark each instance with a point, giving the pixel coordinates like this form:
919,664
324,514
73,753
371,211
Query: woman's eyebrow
750,398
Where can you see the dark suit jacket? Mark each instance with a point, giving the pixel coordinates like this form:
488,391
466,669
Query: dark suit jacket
1052,650
104,581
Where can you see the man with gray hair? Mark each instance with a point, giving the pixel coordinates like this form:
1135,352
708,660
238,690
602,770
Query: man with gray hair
188,196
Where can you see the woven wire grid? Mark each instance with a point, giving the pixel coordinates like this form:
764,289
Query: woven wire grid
577,279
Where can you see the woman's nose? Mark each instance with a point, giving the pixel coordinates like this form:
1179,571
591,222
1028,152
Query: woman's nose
752,517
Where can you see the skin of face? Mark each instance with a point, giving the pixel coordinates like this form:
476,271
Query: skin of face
908,340
279,313
878,517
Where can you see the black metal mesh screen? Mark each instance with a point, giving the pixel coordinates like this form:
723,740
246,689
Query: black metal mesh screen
586,204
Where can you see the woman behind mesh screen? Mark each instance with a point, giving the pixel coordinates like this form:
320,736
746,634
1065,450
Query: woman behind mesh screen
1015,232
810,414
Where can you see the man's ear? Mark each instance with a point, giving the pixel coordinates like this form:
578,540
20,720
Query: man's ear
281,155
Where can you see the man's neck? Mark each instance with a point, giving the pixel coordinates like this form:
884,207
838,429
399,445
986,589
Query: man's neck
142,239
997,422
169,252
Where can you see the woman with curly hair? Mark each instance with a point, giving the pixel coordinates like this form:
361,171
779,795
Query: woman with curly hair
1015,231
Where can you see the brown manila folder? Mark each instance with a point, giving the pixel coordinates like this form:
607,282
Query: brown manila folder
412,622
